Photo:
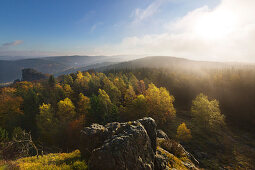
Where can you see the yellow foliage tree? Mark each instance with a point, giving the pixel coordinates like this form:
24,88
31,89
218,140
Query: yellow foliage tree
66,110
183,133
68,91
47,124
206,114
83,104
10,105
129,95
160,104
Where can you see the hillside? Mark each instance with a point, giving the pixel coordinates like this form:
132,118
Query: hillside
173,63
10,70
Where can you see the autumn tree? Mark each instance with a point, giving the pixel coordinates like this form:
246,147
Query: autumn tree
68,79
83,104
113,92
66,110
132,79
183,133
10,108
120,84
136,109
81,83
206,114
160,104
68,91
47,124
129,95
140,87
105,103
78,82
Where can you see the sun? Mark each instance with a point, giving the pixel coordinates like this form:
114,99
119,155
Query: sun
214,25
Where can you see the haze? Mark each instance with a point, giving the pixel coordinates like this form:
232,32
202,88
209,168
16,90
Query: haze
212,30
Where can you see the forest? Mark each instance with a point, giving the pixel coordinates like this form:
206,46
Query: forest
204,112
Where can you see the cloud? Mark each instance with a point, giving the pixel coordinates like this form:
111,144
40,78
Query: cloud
142,14
225,33
14,43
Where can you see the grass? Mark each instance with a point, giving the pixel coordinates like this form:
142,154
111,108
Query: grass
173,161
53,161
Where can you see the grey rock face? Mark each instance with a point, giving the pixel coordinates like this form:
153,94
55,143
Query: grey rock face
126,146
121,145
150,126
162,134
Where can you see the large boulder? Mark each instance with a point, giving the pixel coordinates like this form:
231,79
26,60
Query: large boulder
131,145
120,145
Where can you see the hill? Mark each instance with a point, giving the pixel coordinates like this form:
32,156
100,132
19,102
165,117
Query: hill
11,69
173,63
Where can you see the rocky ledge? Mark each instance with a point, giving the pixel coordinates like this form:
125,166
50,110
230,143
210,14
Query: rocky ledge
132,145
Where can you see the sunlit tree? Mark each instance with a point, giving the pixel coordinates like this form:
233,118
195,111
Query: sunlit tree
68,91
160,104
206,114
183,133
66,110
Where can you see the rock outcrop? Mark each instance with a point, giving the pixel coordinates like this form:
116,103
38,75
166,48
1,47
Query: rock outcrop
122,146
29,74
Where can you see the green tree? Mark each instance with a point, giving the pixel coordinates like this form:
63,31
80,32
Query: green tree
183,133
102,109
206,114
31,109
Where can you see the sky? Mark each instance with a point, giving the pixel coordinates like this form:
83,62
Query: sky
212,30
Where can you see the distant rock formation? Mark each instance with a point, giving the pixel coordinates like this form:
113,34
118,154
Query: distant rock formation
29,74
130,145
